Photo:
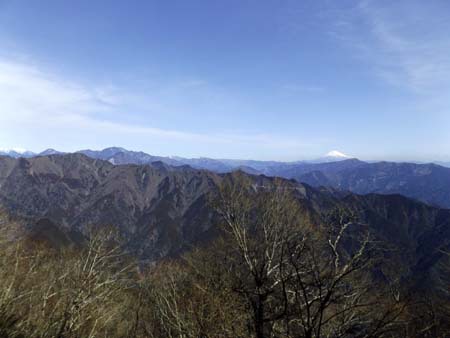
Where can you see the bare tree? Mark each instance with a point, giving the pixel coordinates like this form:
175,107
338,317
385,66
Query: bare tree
68,293
189,298
261,223
91,281
331,292
299,282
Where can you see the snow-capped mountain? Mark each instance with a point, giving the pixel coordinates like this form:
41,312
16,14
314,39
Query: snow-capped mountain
16,152
20,152
332,156
336,154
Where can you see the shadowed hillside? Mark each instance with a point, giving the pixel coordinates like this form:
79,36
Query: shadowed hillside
162,210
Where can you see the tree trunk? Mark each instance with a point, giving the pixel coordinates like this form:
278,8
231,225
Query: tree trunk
259,317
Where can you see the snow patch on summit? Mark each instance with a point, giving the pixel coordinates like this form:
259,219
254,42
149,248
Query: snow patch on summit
16,150
335,153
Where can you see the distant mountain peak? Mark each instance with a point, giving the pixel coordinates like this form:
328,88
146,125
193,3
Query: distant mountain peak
337,154
50,151
16,150
117,149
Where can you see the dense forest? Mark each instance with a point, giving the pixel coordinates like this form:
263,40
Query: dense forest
272,272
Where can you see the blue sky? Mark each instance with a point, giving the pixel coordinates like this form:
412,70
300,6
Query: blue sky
273,79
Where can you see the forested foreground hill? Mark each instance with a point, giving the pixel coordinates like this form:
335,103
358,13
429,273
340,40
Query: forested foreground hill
231,255
162,210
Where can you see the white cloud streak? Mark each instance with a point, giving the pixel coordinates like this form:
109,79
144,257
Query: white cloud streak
413,51
406,42
33,99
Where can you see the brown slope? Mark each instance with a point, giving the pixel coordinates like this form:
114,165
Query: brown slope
162,210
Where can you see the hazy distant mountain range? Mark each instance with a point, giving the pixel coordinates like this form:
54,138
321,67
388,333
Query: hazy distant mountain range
444,164
118,155
429,183
17,152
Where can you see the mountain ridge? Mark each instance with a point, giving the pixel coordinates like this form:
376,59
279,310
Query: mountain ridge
426,182
163,210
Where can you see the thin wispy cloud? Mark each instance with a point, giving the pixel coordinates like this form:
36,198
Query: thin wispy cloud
414,55
287,80
35,99
405,43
